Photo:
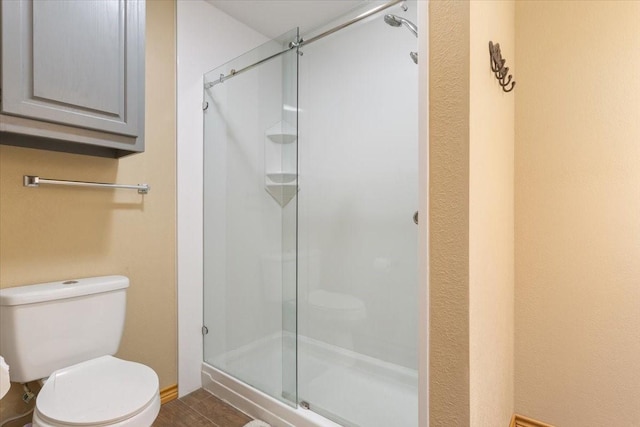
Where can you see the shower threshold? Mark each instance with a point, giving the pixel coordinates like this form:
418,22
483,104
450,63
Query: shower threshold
339,383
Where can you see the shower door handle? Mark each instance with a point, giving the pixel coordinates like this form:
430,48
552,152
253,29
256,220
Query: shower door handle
415,217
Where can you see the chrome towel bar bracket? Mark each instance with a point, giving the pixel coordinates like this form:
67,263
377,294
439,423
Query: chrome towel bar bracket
36,181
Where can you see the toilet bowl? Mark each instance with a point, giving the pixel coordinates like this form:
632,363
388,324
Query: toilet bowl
105,391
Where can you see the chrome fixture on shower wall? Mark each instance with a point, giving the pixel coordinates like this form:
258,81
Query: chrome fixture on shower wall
396,21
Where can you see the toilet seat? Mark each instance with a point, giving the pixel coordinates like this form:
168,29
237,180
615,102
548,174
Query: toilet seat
102,391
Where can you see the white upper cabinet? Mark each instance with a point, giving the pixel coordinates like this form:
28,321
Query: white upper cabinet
73,75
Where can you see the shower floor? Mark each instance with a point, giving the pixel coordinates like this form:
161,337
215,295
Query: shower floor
350,388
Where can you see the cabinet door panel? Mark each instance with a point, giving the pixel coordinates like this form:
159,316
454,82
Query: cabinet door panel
86,72
75,62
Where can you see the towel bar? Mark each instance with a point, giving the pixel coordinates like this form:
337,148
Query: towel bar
35,181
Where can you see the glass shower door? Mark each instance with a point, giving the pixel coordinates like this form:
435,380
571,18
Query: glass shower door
357,240
250,209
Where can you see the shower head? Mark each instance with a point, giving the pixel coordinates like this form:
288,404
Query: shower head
396,21
392,20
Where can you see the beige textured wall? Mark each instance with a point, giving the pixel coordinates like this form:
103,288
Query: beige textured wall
58,233
578,212
491,276
471,216
449,213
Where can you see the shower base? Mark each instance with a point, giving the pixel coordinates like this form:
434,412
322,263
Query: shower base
342,384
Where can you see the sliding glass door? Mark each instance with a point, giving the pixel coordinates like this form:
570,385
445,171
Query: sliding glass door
250,208
358,242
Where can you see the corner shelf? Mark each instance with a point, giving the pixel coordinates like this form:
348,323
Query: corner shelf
282,133
282,193
282,177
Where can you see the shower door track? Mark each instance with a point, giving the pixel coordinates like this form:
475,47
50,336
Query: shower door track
302,42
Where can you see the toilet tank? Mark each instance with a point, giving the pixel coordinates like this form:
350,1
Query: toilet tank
49,326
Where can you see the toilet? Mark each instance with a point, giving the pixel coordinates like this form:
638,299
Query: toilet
66,334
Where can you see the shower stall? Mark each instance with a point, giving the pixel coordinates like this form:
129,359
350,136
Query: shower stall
310,213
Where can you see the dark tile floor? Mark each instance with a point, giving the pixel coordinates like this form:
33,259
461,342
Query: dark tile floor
199,409
19,422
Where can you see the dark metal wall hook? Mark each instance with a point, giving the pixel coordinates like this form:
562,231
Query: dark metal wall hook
497,66
502,74
504,83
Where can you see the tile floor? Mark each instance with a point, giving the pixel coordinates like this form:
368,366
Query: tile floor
199,409
19,422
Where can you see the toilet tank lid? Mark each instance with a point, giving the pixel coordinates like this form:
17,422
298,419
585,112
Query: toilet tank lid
64,289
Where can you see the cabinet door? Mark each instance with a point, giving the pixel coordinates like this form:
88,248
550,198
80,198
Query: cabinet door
75,62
